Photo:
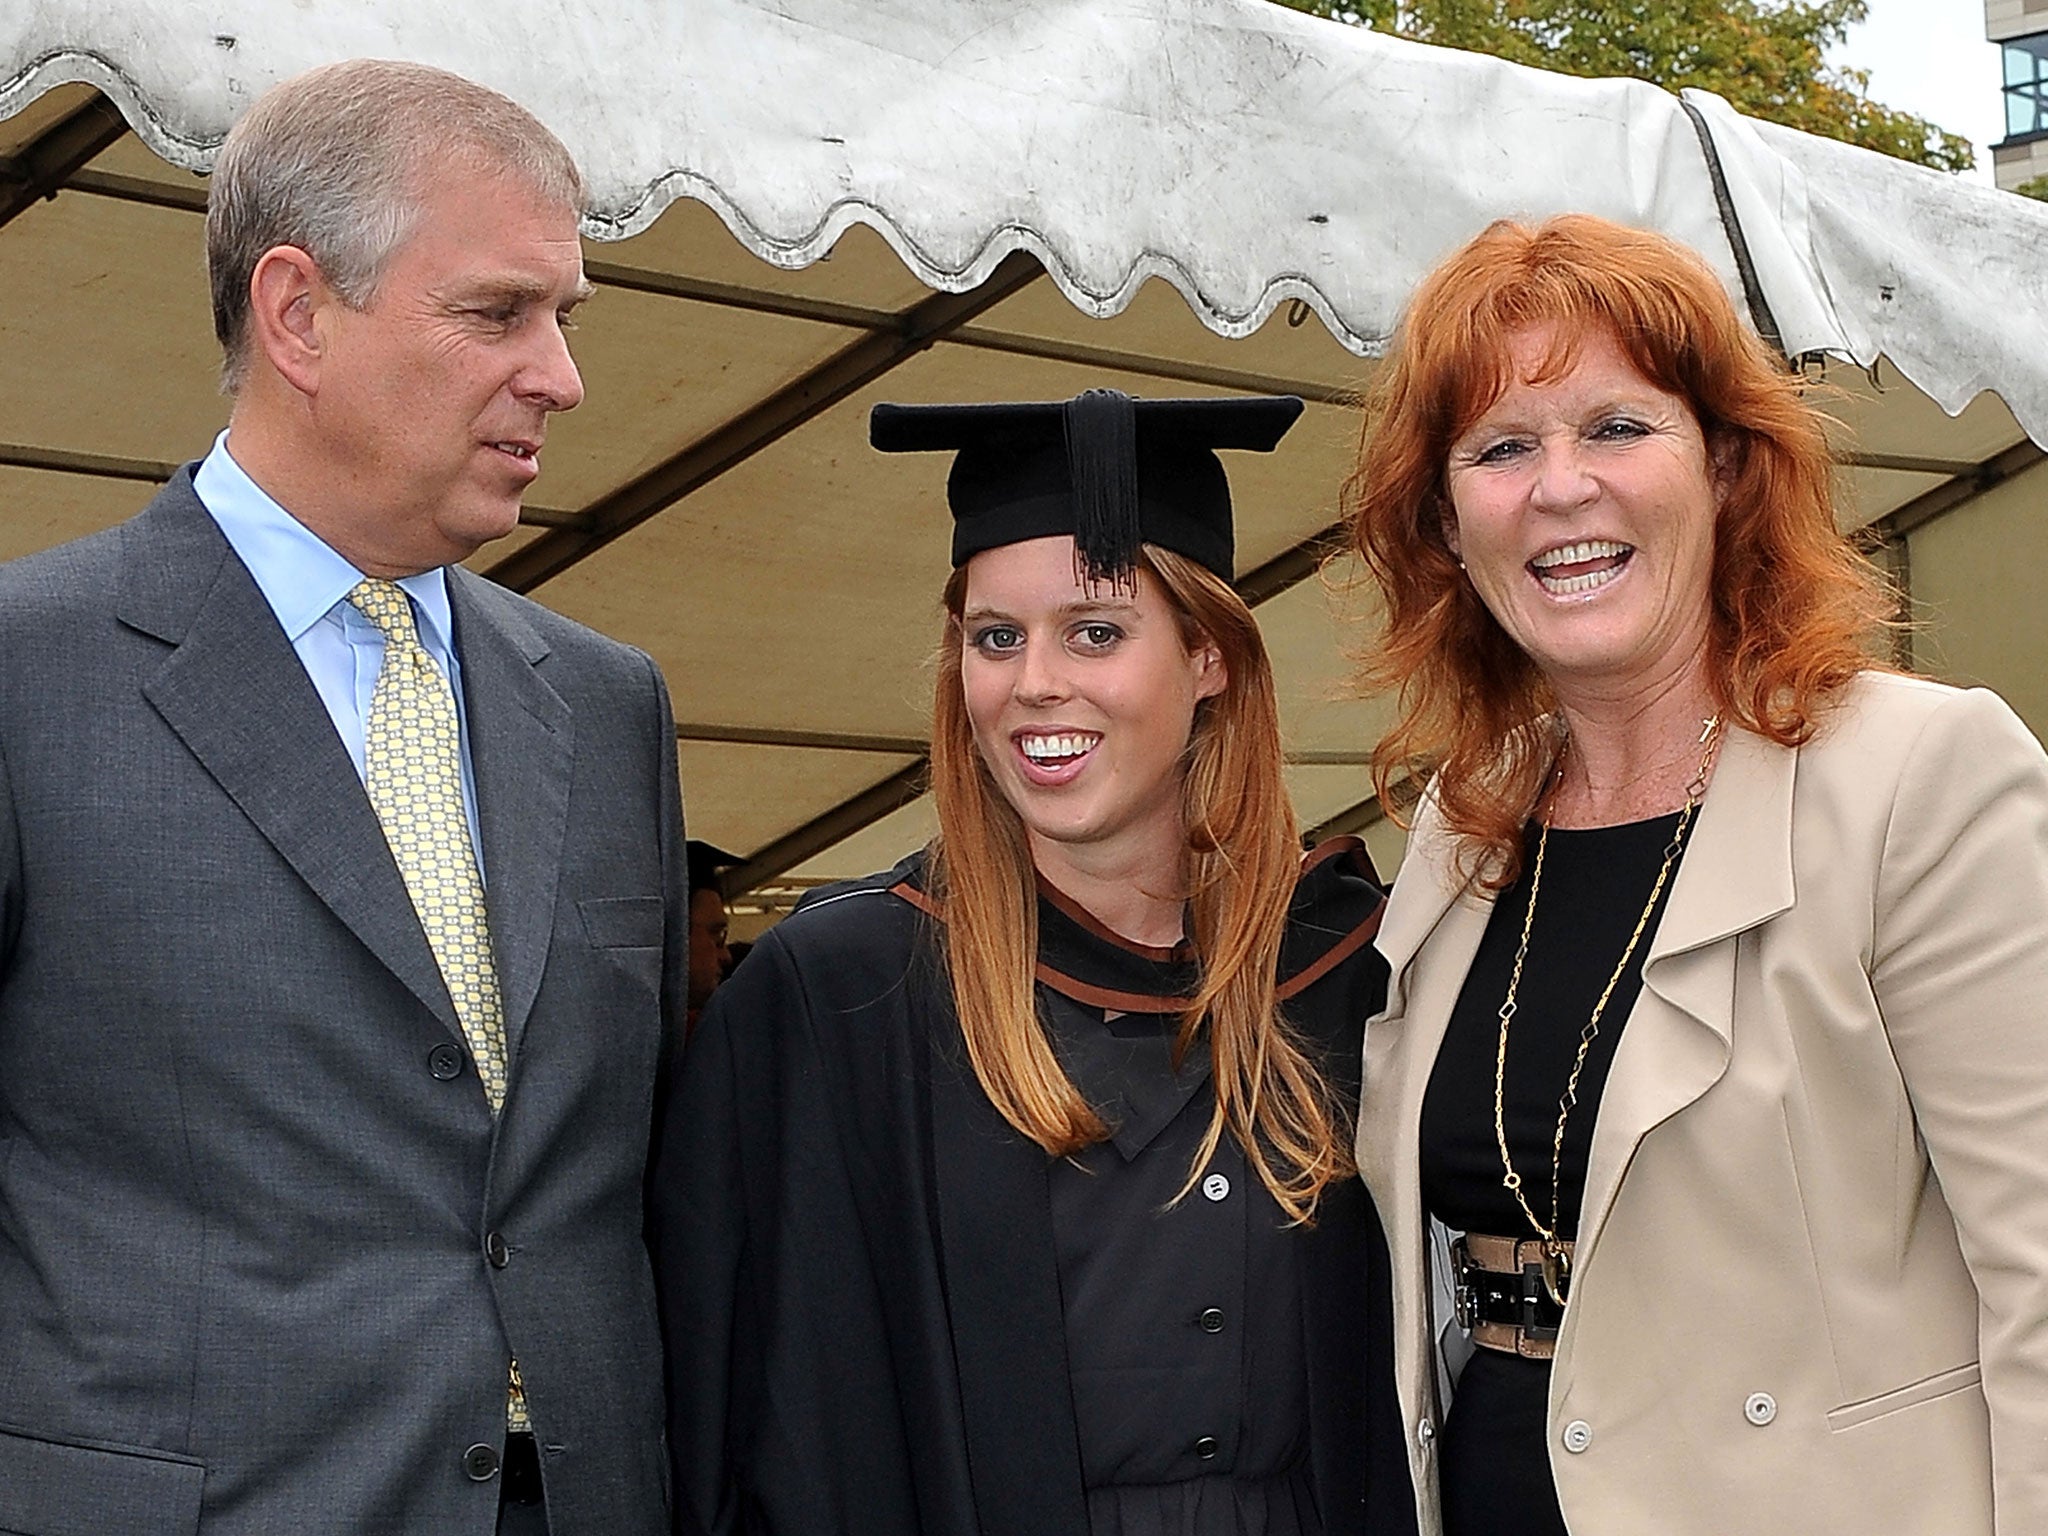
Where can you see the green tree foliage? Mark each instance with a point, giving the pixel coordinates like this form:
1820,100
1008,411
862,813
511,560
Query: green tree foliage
1768,58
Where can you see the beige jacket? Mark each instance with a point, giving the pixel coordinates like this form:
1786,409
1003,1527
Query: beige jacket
1812,1282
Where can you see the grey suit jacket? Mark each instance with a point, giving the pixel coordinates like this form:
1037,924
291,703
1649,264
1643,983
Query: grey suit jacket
246,1276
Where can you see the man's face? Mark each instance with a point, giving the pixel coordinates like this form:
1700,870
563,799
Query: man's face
434,397
708,955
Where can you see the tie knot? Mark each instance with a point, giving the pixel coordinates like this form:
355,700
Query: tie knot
385,605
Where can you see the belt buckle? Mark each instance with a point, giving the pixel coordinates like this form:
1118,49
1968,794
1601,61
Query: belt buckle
1536,1289
1464,1305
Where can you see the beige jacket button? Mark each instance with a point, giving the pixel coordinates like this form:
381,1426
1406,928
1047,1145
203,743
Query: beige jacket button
1425,1432
1577,1436
1760,1409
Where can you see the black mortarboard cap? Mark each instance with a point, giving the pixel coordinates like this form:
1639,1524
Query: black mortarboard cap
1112,471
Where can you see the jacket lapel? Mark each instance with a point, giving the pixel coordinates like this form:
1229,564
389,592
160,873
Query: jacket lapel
1736,874
522,749
237,695
1003,1300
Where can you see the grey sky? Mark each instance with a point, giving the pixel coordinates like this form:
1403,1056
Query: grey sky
1930,57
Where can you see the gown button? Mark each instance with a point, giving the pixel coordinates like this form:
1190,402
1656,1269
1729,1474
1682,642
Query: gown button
1206,1447
1211,1320
1216,1187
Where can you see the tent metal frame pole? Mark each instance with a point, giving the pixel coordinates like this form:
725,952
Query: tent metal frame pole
1958,491
42,166
1260,584
59,159
849,370
821,832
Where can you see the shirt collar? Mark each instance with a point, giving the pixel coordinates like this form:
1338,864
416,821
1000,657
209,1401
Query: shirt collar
298,573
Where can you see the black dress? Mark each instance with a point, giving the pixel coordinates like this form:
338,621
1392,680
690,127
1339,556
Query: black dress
888,1314
1494,1462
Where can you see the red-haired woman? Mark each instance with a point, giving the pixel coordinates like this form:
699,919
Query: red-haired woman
1011,1191
1709,1112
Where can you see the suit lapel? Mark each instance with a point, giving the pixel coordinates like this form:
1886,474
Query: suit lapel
522,749
1429,907
1736,874
1003,1301
237,695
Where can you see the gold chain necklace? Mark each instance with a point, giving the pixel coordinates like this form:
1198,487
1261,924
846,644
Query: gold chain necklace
1555,1263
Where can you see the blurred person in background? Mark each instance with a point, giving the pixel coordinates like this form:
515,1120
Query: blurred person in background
710,956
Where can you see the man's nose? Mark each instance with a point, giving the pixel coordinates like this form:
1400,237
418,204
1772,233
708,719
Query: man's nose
551,378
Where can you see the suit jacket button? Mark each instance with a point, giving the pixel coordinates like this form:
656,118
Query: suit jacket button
481,1463
1577,1436
445,1062
1760,1409
1206,1448
497,1250
1211,1320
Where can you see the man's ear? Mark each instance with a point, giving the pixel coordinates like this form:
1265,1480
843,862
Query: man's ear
287,295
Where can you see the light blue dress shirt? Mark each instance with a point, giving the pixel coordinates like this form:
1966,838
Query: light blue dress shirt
307,586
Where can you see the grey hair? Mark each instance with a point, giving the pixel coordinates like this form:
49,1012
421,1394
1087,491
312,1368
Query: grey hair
335,162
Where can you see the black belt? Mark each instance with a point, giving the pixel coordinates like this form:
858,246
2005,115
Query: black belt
1503,1296
521,1471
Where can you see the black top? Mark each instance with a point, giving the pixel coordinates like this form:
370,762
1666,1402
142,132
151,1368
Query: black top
1183,1318
888,1313
1494,1462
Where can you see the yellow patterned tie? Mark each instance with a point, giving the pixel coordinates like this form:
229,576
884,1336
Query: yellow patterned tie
412,760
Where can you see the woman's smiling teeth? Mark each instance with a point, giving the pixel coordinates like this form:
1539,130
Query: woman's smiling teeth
1571,569
1052,751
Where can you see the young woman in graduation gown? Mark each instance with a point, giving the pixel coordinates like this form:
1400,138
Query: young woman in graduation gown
1009,1191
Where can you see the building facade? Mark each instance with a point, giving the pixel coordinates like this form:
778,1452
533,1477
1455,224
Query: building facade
2020,28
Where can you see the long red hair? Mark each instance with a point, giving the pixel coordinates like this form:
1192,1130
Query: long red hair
1795,607
1243,857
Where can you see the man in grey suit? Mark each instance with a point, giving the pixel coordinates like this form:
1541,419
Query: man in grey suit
342,900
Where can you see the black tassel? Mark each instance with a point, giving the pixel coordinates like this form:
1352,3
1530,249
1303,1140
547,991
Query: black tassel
1102,463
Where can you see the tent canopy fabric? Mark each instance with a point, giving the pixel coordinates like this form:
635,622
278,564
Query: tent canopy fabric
1245,153
806,207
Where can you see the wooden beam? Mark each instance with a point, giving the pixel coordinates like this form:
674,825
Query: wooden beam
43,165
114,466
1908,463
184,197
101,466
1292,566
1353,819
823,741
700,290
849,370
1145,365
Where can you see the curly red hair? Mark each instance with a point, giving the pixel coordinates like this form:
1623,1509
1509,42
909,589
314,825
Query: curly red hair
1795,607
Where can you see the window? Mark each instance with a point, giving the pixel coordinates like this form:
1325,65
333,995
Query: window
2026,86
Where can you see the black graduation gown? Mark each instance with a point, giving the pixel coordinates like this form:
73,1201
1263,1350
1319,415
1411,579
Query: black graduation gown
859,1279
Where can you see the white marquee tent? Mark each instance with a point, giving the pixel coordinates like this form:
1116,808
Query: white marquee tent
805,206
